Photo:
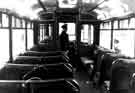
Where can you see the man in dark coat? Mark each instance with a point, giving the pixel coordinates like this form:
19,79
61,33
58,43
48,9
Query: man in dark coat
64,39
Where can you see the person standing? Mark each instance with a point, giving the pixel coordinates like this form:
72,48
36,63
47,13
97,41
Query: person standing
64,38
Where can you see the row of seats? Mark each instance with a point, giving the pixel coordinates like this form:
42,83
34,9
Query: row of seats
118,69
123,76
39,72
39,86
42,54
41,60
19,71
50,45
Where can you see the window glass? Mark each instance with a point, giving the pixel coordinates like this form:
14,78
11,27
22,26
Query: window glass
87,33
23,23
84,33
13,21
30,41
41,32
18,42
91,34
5,20
105,38
70,30
4,47
50,30
28,24
123,42
132,23
107,25
124,24
46,31
115,25
101,26
18,25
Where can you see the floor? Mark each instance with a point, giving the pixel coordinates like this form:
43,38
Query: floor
86,86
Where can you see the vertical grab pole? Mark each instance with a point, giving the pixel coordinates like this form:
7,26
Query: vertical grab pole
10,39
112,26
26,36
36,32
78,32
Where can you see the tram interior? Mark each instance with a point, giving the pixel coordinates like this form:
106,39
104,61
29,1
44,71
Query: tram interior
102,34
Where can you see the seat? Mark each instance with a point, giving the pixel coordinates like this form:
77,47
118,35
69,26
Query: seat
41,60
106,65
11,86
56,86
14,71
39,86
18,71
42,54
123,79
87,62
51,72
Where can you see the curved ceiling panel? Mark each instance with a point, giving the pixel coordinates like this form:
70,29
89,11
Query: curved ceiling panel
104,8
130,3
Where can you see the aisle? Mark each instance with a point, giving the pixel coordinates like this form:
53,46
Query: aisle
85,85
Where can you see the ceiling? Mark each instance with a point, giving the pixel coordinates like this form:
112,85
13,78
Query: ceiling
104,8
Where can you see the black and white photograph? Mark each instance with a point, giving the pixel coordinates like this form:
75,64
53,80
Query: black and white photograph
67,46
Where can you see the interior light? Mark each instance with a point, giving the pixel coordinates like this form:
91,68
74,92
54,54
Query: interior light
86,1
67,3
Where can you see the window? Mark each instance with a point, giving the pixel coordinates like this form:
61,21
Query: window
70,30
132,23
126,43
41,32
4,47
18,21
123,40
87,34
23,23
84,33
124,23
105,36
45,31
18,42
28,24
107,25
30,42
101,26
115,24
4,40
13,21
50,30
4,20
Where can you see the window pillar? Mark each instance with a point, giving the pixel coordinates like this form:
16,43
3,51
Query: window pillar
10,39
